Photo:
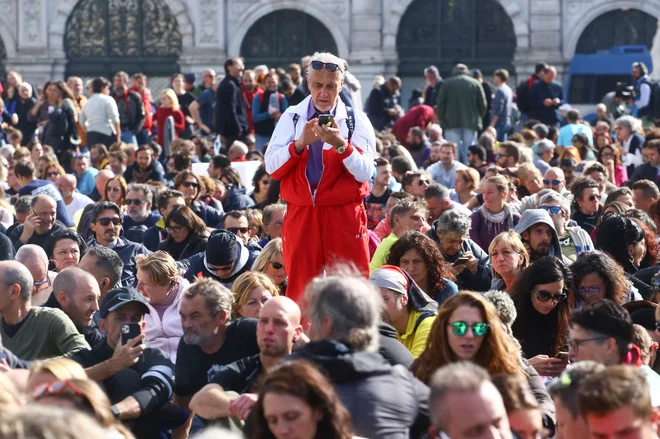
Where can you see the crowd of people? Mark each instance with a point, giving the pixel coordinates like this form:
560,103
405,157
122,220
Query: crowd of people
484,251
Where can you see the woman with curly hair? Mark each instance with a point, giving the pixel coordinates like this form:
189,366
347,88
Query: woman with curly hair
468,328
598,277
543,294
420,257
652,255
296,400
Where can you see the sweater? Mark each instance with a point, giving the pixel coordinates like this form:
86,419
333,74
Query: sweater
99,113
44,333
179,121
164,333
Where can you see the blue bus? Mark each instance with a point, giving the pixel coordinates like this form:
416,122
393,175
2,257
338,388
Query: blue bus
592,76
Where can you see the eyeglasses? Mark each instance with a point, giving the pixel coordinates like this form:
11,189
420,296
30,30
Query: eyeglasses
42,284
53,174
460,328
190,184
176,229
575,344
422,182
553,210
588,291
135,201
114,189
544,296
56,388
276,265
330,67
553,182
106,221
607,154
235,230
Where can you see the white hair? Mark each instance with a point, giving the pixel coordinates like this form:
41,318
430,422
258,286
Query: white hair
239,145
601,107
262,68
434,127
25,85
7,151
326,57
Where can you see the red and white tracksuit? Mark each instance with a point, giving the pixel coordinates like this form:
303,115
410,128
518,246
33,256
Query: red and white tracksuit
327,226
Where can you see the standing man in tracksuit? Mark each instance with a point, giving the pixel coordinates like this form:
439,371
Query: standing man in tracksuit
324,172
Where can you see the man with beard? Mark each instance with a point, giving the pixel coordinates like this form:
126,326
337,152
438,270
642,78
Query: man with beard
537,232
418,145
139,217
477,159
146,167
210,338
278,330
106,223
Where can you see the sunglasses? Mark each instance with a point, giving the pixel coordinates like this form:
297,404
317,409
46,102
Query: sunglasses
499,156
190,184
544,296
55,388
478,329
135,201
592,198
554,210
224,268
106,221
422,182
553,182
330,67
235,230
277,265
53,174
80,155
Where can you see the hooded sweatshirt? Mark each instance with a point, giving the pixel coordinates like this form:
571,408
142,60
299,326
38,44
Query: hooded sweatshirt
535,216
199,268
384,401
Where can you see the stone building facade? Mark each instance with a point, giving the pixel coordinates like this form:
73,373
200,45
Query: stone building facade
46,39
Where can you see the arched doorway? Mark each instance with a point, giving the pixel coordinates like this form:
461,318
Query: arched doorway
478,33
621,27
283,37
105,36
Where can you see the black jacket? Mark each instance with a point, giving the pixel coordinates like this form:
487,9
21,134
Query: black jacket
194,246
384,401
153,236
131,111
644,172
539,93
379,101
7,252
391,349
230,110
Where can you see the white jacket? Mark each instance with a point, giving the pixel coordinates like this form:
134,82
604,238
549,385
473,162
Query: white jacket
165,334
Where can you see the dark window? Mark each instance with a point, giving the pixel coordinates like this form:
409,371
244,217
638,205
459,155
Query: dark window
478,33
284,37
105,36
590,89
622,27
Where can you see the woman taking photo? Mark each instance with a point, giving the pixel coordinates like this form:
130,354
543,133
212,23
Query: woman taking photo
271,262
61,131
468,328
420,257
467,181
251,290
494,216
187,234
296,400
543,295
260,182
598,277
189,185
64,248
169,106
610,158
508,258
159,281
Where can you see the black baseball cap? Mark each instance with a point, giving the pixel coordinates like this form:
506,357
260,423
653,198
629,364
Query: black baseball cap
119,297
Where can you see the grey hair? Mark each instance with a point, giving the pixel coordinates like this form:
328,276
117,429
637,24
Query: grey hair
558,198
436,190
546,142
505,307
626,121
326,57
351,303
17,273
144,188
454,222
459,377
30,251
23,204
217,298
432,70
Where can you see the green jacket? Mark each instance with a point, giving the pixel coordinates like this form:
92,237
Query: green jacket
461,103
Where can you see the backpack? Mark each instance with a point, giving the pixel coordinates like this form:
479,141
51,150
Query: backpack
350,121
422,317
522,95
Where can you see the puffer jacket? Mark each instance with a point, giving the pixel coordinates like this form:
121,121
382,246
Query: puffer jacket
164,333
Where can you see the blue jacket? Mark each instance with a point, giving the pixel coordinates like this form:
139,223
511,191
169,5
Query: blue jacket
540,92
153,236
157,173
86,181
211,216
134,231
237,199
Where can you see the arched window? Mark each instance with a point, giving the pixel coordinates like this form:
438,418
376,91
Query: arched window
106,36
283,37
622,27
478,33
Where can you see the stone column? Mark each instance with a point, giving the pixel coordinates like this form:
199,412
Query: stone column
32,58
210,43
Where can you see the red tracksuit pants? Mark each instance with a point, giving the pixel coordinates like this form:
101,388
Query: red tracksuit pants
316,238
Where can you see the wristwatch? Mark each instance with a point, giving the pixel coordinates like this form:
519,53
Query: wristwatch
341,149
115,412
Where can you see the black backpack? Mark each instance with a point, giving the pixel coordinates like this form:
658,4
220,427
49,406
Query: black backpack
654,100
522,95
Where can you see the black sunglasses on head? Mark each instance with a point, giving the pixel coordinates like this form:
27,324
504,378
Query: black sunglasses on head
330,67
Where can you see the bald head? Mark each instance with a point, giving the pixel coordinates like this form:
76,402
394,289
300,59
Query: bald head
556,178
33,258
69,279
102,179
78,294
68,179
16,282
278,328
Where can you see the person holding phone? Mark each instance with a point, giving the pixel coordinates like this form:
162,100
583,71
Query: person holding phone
325,166
137,379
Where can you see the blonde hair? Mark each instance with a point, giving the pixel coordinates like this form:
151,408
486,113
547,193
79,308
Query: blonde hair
42,422
172,95
60,368
511,238
10,400
470,175
159,267
500,182
245,284
269,252
525,170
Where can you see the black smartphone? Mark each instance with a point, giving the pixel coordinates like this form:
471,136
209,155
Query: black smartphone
129,331
326,119
462,260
